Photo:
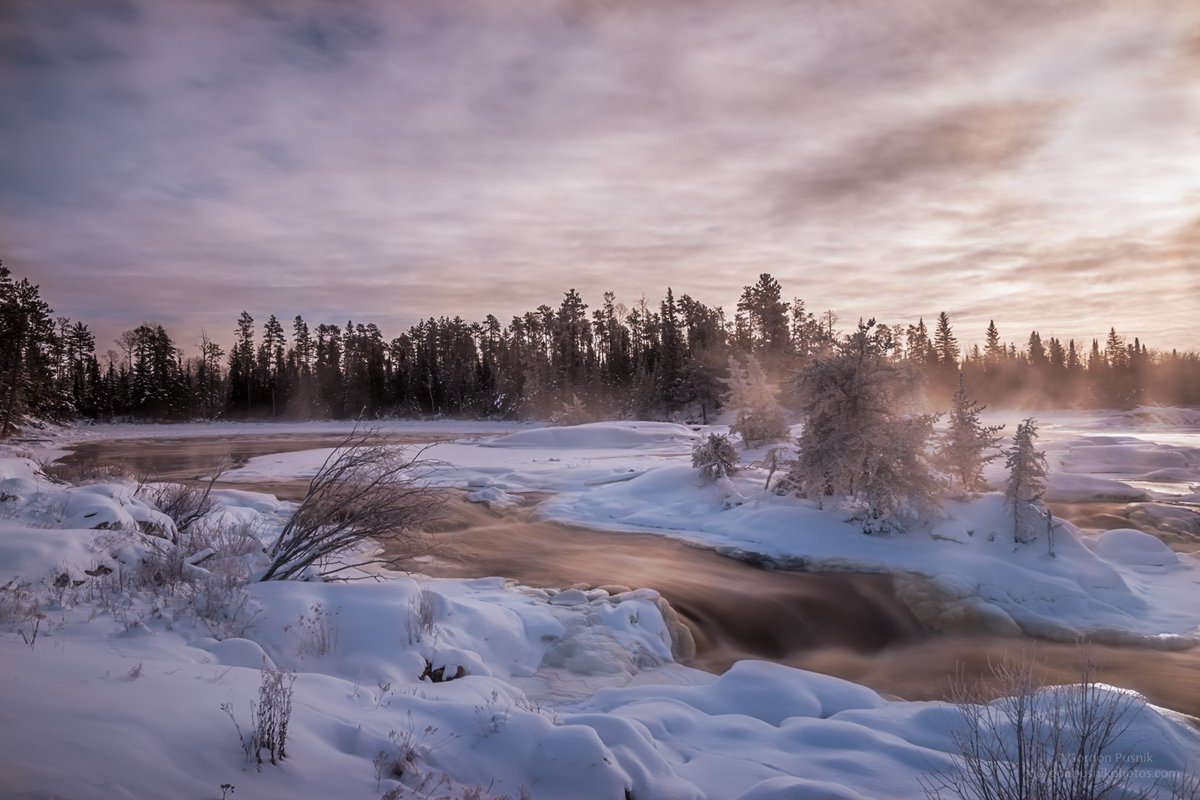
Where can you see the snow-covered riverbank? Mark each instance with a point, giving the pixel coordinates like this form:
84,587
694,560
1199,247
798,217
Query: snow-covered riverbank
569,694
636,476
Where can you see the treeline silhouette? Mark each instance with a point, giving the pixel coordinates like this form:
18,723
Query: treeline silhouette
664,360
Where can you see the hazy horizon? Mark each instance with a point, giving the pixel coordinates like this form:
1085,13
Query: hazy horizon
1036,163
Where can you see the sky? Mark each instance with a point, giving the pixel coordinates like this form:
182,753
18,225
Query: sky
1036,162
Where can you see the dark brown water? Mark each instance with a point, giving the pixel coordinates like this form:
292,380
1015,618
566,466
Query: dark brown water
193,458
846,624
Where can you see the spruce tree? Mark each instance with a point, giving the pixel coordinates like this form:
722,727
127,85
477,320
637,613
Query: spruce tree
1026,476
944,342
963,451
993,351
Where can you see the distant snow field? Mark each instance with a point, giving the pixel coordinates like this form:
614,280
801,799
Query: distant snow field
116,661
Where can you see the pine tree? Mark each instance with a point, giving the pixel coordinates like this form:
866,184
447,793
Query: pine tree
1037,351
944,343
1026,476
672,390
993,351
241,367
27,340
753,396
964,445
271,363
209,386
917,345
806,331
767,319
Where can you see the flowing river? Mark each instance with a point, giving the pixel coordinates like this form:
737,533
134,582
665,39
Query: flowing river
851,625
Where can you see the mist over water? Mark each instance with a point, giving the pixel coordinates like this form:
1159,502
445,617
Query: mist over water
852,625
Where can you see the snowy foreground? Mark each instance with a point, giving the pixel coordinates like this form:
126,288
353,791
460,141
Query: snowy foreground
115,687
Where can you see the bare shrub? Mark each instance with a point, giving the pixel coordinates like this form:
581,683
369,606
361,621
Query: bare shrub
715,457
269,717
1055,743
78,472
162,568
441,787
364,490
232,541
410,745
224,607
21,610
318,632
491,716
422,617
184,503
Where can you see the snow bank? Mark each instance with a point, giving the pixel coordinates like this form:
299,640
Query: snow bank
72,434
540,460
1063,487
969,555
1118,455
1132,547
603,435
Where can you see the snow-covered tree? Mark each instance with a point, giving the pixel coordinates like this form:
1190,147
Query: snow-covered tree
572,413
715,457
860,443
1027,475
753,396
966,442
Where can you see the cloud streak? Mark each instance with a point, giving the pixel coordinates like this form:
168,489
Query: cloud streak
1034,162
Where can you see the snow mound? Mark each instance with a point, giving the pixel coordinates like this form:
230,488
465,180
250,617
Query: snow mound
1125,456
601,435
1167,517
1129,546
1064,487
495,498
1165,416
767,692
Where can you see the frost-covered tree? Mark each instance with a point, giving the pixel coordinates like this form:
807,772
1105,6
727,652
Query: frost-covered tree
1026,477
966,442
572,413
715,457
754,397
860,443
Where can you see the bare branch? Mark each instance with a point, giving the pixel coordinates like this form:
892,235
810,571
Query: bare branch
364,490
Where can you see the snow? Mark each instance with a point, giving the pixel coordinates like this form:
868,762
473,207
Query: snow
1132,547
636,477
571,693
539,460
78,433
1064,487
